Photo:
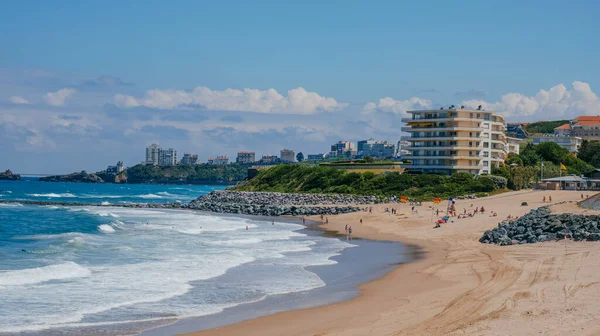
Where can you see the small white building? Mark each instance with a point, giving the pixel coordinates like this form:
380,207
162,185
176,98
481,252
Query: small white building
570,143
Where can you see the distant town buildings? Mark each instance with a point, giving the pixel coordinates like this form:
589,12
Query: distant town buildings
287,156
269,159
114,170
572,144
220,160
316,157
585,127
376,149
152,154
455,140
159,156
246,157
189,159
167,157
343,149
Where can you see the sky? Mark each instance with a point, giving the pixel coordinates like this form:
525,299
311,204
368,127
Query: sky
86,84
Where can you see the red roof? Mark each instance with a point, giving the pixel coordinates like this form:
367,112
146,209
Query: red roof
588,122
563,127
588,118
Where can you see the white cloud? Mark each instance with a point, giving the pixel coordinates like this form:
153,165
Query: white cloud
556,103
397,106
59,97
297,101
18,100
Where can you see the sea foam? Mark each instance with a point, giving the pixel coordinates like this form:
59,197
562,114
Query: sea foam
29,276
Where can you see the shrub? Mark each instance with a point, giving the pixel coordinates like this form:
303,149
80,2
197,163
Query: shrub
499,181
524,204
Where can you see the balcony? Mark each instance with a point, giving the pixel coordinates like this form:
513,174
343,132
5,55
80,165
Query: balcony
454,167
440,129
439,138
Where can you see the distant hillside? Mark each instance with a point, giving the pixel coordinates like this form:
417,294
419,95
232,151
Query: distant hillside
546,127
321,179
203,172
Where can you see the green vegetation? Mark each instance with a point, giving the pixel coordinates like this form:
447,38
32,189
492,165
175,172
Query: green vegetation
546,127
519,171
296,178
203,172
524,169
590,152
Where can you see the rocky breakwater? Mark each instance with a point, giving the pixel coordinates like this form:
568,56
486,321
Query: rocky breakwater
540,225
279,204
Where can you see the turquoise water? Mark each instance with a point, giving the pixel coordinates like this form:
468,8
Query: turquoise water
66,268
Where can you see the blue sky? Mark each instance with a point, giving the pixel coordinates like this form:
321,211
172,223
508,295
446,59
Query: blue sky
115,75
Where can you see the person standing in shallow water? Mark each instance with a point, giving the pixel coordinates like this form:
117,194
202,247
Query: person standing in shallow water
350,233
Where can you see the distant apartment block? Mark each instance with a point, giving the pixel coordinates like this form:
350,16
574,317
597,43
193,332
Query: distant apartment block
152,154
222,160
376,149
287,156
246,157
455,140
513,145
269,159
572,144
315,157
117,169
343,149
585,127
167,157
189,159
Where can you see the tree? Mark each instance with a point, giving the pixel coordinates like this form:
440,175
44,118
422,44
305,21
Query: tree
590,152
369,159
300,157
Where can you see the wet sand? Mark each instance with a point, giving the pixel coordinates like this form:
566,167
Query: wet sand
461,287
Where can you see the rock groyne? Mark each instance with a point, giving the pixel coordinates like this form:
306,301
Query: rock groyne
279,204
540,225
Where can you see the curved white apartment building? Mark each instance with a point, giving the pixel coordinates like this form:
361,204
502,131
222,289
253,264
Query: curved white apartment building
455,140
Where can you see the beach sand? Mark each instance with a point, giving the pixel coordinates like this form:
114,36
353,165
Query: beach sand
460,287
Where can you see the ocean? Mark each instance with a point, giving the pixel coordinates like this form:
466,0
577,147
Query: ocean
68,270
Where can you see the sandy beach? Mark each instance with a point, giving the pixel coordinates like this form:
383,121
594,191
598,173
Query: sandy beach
460,287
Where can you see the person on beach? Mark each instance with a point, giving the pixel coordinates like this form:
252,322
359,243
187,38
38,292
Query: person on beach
273,222
581,196
303,220
246,227
350,233
346,229
361,221
326,220
549,198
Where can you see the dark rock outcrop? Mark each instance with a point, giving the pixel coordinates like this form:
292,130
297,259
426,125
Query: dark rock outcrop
8,175
540,225
82,176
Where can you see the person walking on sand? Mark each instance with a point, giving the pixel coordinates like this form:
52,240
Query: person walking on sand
361,221
346,229
544,199
549,198
326,220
